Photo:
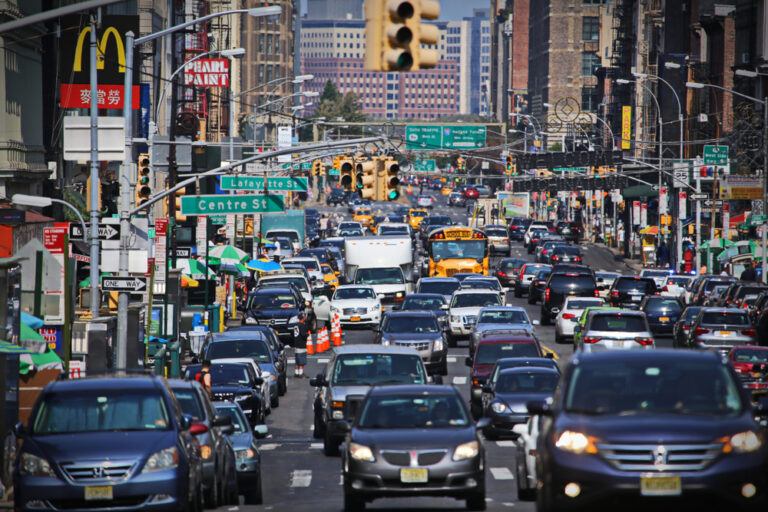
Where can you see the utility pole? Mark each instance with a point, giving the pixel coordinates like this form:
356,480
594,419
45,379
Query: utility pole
95,184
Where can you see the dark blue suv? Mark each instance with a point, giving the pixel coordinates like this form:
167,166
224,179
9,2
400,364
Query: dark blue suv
103,443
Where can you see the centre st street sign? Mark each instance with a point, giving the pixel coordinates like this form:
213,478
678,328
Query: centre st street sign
284,183
233,205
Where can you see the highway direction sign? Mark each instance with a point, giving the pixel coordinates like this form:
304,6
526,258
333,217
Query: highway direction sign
123,284
228,204
715,155
444,136
106,232
257,183
424,166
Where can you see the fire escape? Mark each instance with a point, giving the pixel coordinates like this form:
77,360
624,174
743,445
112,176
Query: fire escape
193,99
621,62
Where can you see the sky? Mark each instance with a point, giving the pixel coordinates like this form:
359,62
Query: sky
450,10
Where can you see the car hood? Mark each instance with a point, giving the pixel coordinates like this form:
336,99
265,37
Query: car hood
241,441
493,327
342,392
101,445
654,428
466,311
353,303
410,438
418,336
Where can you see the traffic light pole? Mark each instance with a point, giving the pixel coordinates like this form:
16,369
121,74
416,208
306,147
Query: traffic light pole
95,184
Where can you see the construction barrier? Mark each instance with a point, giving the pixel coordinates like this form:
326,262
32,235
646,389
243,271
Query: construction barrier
325,340
336,330
310,344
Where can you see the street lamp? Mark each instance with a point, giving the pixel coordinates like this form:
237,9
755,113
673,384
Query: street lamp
764,103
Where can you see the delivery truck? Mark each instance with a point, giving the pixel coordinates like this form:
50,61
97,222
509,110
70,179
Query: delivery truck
384,262
290,224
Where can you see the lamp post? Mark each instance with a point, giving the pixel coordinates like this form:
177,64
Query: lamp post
43,202
256,108
125,185
764,103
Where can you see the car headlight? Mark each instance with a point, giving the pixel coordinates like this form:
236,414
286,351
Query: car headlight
245,396
34,465
498,407
385,341
438,346
245,454
375,307
293,320
361,452
399,294
250,320
466,451
164,459
743,442
455,318
576,442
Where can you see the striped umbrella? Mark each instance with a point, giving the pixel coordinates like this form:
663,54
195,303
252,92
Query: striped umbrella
228,253
194,269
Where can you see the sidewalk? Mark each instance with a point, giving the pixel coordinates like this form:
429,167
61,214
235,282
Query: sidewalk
634,263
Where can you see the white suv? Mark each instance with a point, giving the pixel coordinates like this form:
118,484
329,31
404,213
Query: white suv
464,308
569,316
535,226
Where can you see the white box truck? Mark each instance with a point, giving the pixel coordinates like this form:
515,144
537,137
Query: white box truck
384,262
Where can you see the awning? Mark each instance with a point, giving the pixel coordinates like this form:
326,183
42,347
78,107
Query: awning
636,191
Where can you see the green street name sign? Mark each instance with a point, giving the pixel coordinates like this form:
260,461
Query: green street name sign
580,170
257,183
228,204
424,166
306,166
444,137
333,172
758,220
715,155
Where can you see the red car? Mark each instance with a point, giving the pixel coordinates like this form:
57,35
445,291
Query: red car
751,364
471,193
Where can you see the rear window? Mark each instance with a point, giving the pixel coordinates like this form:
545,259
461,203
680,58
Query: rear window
441,287
711,284
496,232
690,313
678,280
749,290
724,318
663,305
624,284
512,264
532,269
567,250
617,323
489,353
583,303
475,300
575,281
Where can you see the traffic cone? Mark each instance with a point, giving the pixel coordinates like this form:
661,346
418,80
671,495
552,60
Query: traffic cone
326,340
336,330
310,345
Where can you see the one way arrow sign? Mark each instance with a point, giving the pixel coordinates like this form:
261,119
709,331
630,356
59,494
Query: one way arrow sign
106,232
123,284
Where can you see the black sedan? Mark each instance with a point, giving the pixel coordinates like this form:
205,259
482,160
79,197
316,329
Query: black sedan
235,382
414,441
662,313
682,329
538,285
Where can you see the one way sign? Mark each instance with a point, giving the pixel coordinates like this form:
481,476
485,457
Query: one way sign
124,284
106,232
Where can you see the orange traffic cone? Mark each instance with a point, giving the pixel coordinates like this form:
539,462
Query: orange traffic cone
326,340
310,345
336,330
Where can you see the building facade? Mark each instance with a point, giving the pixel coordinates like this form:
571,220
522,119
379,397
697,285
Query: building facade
334,9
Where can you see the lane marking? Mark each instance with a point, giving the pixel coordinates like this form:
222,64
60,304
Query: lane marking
301,477
502,474
459,380
323,360
316,446
547,350
268,446
505,444
341,479
451,359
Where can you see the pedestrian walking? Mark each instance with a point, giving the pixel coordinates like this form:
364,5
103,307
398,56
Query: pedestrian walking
300,333
323,226
749,273
662,255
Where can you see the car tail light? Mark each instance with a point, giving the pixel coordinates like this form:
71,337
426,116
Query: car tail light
577,258
665,289
501,274
476,382
686,327
568,316
700,330
505,240
644,341
748,332
615,293
597,292
592,339
543,252
512,227
555,258
547,294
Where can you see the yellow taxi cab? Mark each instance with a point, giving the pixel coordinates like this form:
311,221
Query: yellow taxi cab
446,191
329,276
416,216
375,221
363,216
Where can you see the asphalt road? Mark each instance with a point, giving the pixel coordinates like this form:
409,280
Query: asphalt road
298,476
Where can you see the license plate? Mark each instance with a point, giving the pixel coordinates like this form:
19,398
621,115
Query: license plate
618,343
663,319
637,297
414,475
660,486
354,319
98,492
724,333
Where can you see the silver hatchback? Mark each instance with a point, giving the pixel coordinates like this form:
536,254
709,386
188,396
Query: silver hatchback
615,330
722,329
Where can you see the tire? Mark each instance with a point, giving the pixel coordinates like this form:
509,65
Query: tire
559,340
518,294
274,402
476,501
352,502
319,430
330,447
544,500
253,495
212,498
450,340
233,492
476,410
527,493
282,386
444,367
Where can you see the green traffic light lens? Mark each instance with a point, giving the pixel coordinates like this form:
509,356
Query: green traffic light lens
393,194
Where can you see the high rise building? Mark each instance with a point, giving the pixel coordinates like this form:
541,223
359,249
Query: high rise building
334,9
469,42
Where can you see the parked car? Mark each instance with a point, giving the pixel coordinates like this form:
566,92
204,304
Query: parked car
349,373
93,442
508,271
628,291
568,317
419,330
662,313
562,285
666,424
615,330
722,329
682,329
413,441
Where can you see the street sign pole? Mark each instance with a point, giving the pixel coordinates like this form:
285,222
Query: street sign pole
765,186
95,185
698,221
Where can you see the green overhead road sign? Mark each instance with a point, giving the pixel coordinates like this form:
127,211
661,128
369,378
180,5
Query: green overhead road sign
424,166
333,172
715,155
231,204
305,166
758,220
284,183
444,137
579,170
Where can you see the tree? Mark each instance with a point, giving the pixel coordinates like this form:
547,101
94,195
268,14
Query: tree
334,106
330,93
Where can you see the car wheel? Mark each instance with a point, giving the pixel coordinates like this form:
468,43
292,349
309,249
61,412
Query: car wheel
211,497
476,411
352,502
199,499
233,492
450,340
476,501
282,386
253,495
544,500
274,401
330,446
559,340
444,367
524,493
319,430
490,435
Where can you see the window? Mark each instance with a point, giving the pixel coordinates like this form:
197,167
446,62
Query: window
589,62
589,99
590,28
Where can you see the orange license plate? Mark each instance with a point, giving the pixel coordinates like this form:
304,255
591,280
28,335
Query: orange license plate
354,319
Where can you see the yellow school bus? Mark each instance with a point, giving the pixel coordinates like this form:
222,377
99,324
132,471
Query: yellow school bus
457,249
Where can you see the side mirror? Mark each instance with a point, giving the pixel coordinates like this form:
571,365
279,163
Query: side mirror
261,430
186,422
468,361
483,423
487,389
536,322
198,428
437,379
539,407
379,296
19,430
221,421
258,381
318,381
343,426
228,430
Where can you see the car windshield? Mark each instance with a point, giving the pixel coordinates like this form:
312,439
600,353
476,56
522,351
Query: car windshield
571,281
690,313
531,270
489,353
300,283
441,287
363,211
527,382
632,284
272,301
379,276
239,422
258,350
448,249
750,355
571,251
618,323
475,300
496,232
413,411
307,264
481,283
354,293
422,303
724,318
411,324
674,386
372,369
606,276
101,411
712,283
512,316
291,235
438,220
350,232
189,402
579,304
654,273
418,213
666,305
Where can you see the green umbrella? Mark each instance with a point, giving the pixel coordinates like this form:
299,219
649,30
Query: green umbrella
227,252
194,269
235,269
26,333
715,243
48,360
10,348
85,283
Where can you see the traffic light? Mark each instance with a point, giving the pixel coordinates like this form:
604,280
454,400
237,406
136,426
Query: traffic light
511,167
390,190
177,201
366,179
318,169
144,181
461,164
88,196
347,173
337,162
394,34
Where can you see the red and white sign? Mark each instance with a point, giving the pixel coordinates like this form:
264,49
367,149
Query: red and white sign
635,212
644,214
53,240
663,199
76,369
109,96
682,204
161,249
207,73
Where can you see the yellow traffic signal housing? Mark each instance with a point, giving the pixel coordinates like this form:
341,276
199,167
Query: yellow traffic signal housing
391,180
366,179
423,34
347,173
88,196
144,180
394,34
177,201
461,164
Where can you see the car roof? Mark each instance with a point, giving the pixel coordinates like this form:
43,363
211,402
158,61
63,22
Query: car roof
373,349
503,308
145,382
239,335
520,336
438,279
425,296
411,312
722,310
615,311
467,291
527,361
274,289
348,286
646,356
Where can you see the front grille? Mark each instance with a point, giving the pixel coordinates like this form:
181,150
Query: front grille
417,345
352,406
355,311
223,397
397,458
413,458
450,271
658,457
92,471
429,458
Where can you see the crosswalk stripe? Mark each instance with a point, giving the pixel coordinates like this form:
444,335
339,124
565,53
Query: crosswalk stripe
459,380
505,444
451,359
502,474
323,360
301,477
268,446
316,446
